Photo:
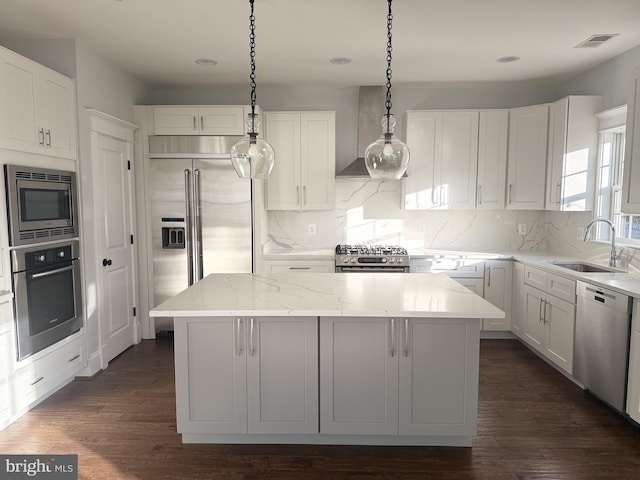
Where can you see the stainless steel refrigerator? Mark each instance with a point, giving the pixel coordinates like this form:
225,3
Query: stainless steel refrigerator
201,222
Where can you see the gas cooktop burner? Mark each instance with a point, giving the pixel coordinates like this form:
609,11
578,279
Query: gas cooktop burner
371,250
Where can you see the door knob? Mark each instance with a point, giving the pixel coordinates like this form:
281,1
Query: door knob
106,262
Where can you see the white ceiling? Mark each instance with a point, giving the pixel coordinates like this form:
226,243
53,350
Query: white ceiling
433,40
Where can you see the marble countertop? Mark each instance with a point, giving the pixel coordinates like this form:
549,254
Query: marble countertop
328,294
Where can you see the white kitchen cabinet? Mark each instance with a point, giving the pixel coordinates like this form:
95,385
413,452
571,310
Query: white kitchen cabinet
211,370
631,176
407,376
303,175
39,376
301,266
518,300
442,173
633,385
358,376
549,324
572,153
199,120
7,359
240,374
493,134
527,156
437,359
497,290
37,108
282,375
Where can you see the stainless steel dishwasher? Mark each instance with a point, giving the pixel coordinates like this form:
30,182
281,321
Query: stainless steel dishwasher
601,353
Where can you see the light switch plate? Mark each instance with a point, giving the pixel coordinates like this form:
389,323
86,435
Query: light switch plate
522,229
311,229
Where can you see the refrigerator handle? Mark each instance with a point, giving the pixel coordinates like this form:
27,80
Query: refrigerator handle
198,229
189,236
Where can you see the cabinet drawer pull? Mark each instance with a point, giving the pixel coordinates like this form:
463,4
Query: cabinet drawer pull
299,268
406,337
37,381
238,337
74,358
252,345
393,337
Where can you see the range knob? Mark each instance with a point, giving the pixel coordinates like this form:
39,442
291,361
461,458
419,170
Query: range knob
345,260
392,260
61,254
41,257
384,260
353,260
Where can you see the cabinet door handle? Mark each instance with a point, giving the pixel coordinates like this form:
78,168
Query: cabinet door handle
393,337
238,337
544,313
252,345
37,381
479,194
543,310
558,191
304,194
510,193
41,137
201,122
48,138
433,194
406,337
298,194
74,358
488,276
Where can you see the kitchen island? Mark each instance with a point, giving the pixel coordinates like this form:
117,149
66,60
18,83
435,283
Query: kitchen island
327,358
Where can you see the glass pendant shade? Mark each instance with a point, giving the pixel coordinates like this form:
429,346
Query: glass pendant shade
252,157
387,158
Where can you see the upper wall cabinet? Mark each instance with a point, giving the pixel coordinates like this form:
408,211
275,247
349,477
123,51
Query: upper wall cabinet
203,120
527,157
492,159
572,153
303,175
631,177
37,108
444,159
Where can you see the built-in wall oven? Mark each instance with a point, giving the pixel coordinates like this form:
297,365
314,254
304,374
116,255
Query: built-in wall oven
47,295
41,205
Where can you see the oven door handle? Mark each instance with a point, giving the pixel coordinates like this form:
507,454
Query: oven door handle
52,272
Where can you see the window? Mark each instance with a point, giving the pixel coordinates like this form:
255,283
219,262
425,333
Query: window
609,190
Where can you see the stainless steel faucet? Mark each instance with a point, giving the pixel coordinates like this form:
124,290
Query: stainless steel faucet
613,256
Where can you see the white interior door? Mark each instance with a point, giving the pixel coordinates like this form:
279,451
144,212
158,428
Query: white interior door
116,285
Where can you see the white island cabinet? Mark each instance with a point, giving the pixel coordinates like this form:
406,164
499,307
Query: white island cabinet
395,363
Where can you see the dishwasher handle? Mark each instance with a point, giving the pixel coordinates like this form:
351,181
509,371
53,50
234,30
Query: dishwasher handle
603,296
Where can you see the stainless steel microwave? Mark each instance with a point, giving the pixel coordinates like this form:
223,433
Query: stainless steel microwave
41,204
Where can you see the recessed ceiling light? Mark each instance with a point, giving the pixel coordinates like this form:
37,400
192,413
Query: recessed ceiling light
340,60
508,59
207,62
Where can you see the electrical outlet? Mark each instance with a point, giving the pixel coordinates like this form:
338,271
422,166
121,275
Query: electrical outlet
522,229
311,229
422,228
580,233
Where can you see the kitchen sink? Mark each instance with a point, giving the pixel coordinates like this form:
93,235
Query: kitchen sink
584,267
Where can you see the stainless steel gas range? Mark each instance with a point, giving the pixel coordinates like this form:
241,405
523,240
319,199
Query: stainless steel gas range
372,258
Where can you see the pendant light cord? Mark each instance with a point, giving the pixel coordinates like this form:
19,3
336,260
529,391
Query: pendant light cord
252,55
389,49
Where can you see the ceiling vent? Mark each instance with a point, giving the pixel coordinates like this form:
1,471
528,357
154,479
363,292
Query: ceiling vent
596,40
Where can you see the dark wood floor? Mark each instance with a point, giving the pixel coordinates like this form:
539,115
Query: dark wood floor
533,424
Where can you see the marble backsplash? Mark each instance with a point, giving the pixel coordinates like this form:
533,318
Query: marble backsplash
371,211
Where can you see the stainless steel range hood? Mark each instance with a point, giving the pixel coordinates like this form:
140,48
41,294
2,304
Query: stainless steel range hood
370,111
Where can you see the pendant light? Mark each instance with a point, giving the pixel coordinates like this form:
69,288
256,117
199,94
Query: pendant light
252,157
387,157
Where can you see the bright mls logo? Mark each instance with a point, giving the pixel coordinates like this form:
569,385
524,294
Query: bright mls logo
50,467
